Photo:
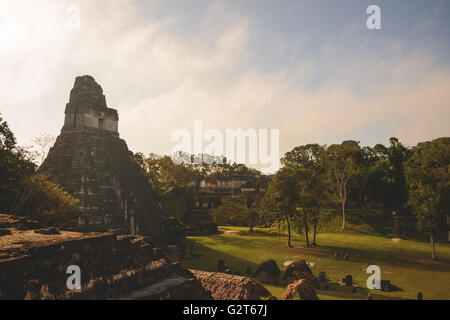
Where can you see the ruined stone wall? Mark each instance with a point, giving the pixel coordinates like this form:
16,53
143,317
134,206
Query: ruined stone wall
33,266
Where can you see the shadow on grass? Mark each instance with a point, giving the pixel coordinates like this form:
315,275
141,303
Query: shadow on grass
245,241
396,258
209,258
336,291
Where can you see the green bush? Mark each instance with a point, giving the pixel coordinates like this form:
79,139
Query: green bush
49,203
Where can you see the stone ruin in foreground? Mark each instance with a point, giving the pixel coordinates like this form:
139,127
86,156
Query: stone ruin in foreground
34,262
93,164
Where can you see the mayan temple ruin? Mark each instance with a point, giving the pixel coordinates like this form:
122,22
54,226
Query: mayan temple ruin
93,164
34,263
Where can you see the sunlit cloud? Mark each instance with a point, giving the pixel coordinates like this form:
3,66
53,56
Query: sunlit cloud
161,80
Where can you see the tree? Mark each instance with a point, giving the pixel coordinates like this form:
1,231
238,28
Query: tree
254,193
398,155
176,180
171,182
23,192
308,164
7,139
49,203
342,162
15,168
44,143
385,181
281,198
428,177
233,211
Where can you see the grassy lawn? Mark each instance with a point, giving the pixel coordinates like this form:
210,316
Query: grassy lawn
405,263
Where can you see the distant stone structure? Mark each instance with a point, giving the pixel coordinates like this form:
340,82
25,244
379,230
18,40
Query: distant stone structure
210,193
208,196
93,164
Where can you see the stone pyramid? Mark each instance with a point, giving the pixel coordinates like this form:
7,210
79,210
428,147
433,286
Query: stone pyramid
93,164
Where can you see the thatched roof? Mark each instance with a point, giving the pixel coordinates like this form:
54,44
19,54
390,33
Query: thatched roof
301,288
299,266
230,287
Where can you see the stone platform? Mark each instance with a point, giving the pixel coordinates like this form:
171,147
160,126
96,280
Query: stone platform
34,265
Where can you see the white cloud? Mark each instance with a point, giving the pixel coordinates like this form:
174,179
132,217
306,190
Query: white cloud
160,80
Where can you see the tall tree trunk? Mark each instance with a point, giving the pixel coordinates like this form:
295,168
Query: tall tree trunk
343,214
433,250
289,231
448,227
252,221
315,232
305,223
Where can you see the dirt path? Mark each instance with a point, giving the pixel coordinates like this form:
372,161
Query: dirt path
234,232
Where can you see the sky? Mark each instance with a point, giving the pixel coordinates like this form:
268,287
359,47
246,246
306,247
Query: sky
311,69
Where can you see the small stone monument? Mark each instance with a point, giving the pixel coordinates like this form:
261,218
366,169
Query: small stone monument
322,276
221,266
396,225
348,280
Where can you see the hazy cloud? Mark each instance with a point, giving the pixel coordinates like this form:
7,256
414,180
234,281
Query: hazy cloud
161,80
